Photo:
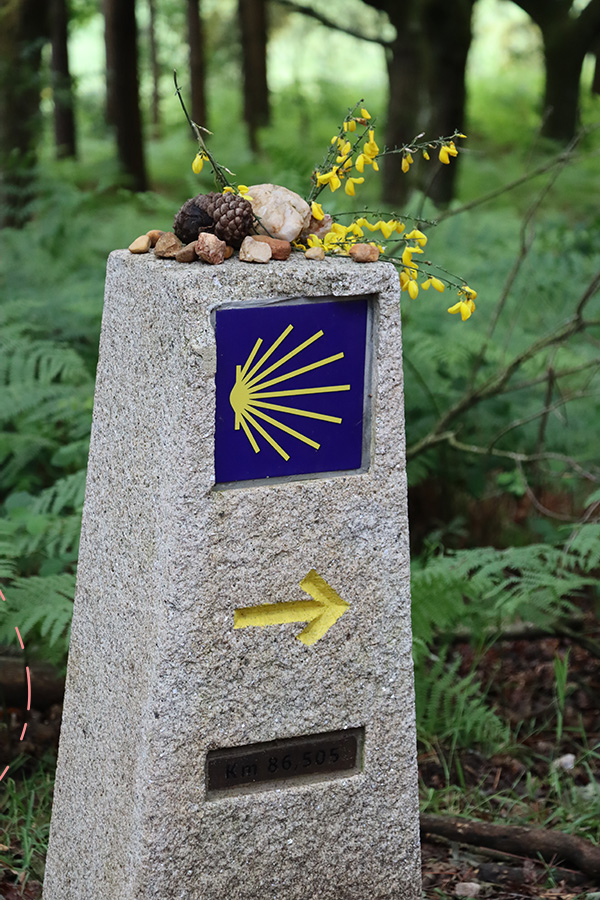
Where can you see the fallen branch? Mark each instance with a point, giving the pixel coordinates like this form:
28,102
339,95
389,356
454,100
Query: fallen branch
552,846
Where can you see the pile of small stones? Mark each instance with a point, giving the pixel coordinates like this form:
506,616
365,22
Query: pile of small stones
282,215
257,248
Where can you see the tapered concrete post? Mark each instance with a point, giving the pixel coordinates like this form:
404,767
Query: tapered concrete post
239,719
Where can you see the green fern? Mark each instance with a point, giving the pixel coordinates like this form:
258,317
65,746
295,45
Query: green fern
41,608
451,709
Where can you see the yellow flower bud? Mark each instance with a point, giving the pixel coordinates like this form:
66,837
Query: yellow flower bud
365,114
438,285
198,163
413,289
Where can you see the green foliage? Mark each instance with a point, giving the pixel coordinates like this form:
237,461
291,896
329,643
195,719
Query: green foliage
25,808
488,589
452,709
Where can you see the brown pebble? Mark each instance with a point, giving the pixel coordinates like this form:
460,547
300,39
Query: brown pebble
167,245
187,254
254,251
228,252
154,236
279,249
140,245
364,253
210,249
315,253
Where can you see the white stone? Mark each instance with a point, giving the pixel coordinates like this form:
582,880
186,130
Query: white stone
467,889
254,251
283,214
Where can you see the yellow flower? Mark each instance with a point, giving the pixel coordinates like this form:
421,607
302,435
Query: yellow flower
313,241
349,186
330,178
413,289
317,211
425,154
352,125
438,285
370,150
406,162
365,114
446,151
465,307
426,284
468,292
418,236
198,162
388,228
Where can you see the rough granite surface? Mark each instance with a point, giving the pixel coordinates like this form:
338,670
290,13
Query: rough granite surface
157,675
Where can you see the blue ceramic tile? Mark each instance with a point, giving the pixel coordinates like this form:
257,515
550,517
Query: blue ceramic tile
290,389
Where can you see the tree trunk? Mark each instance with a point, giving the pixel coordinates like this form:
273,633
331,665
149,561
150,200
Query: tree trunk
154,68
253,26
448,34
197,62
567,38
123,89
564,53
22,35
405,67
62,85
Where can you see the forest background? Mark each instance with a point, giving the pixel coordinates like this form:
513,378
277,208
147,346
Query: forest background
501,411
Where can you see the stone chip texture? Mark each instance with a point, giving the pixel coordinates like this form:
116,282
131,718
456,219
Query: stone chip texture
157,675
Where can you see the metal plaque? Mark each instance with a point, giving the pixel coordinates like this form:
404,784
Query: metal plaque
290,389
262,766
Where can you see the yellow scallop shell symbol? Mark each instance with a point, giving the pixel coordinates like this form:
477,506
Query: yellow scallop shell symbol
249,398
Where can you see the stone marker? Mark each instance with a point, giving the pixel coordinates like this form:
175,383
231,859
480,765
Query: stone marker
238,720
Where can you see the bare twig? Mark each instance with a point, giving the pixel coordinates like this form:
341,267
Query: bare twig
542,414
218,170
561,158
497,382
330,23
520,458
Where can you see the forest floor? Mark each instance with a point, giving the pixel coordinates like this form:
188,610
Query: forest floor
534,784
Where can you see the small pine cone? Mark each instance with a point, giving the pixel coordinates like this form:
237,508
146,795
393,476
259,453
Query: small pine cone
233,218
191,219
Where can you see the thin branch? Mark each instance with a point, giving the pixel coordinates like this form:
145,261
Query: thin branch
542,413
519,458
496,383
560,159
526,239
563,373
218,170
330,23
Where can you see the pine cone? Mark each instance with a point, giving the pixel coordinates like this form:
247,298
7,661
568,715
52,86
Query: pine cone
190,220
233,218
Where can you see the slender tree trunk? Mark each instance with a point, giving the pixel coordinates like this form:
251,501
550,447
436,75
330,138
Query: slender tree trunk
448,34
405,67
197,62
123,89
155,69
567,35
564,52
253,25
62,85
22,35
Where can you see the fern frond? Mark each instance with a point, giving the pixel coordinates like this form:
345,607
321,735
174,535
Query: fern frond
453,709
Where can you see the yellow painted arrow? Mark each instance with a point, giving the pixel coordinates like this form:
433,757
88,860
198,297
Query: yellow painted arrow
321,612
